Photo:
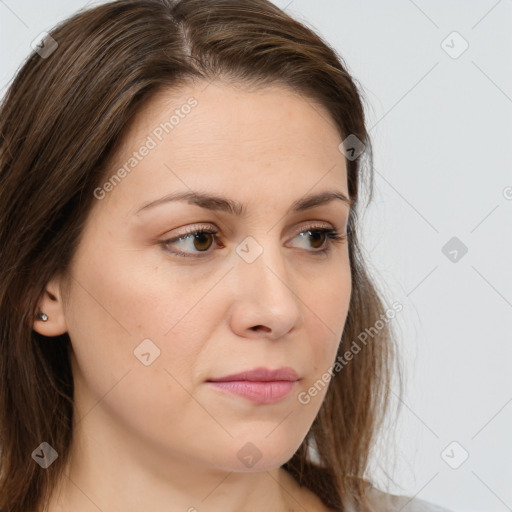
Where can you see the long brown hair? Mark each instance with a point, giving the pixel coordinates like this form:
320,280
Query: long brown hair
62,119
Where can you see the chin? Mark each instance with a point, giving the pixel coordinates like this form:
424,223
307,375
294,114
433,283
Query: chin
262,452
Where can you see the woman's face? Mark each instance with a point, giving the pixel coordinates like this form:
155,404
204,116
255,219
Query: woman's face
150,327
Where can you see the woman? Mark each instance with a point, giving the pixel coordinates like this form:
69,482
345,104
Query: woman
182,292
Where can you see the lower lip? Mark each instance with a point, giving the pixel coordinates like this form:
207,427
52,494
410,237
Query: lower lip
257,391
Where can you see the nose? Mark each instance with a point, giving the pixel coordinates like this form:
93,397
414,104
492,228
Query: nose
264,302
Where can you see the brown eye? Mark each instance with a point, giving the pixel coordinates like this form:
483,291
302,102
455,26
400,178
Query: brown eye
197,242
203,241
317,238
193,241
322,239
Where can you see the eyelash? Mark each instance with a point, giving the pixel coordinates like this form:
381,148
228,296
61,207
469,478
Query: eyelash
333,237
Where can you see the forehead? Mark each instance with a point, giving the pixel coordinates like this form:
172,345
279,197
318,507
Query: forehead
236,118
228,137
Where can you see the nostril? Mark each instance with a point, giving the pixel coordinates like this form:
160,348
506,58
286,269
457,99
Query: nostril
260,327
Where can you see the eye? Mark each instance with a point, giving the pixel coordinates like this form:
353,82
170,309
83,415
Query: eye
200,239
197,238
326,236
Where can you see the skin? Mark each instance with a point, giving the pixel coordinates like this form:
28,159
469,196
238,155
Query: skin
159,437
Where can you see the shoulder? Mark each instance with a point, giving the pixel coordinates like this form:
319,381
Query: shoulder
385,502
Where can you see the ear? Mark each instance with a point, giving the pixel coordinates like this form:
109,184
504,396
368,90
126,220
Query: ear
51,303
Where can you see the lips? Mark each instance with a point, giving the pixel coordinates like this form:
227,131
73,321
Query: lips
260,385
260,374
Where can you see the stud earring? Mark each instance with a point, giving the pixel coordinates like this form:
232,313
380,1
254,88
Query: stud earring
42,316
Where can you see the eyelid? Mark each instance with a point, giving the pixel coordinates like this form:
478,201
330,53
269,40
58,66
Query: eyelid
192,228
313,224
212,229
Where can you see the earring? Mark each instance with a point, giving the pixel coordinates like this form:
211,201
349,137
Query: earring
42,316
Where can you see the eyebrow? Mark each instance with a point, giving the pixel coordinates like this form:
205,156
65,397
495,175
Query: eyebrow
220,203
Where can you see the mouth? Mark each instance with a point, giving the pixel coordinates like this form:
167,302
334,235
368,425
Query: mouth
267,392
260,385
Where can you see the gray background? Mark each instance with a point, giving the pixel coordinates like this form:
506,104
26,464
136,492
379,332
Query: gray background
441,129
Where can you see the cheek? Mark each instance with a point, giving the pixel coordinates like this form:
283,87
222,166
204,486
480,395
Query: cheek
126,308
117,320
327,309
133,293
327,313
